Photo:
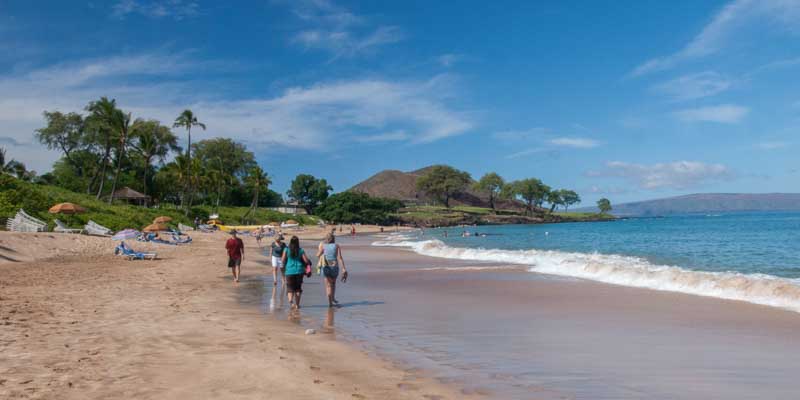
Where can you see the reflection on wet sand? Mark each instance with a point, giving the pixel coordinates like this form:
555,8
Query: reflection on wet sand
327,327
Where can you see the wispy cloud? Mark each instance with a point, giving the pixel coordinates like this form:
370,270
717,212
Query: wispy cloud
522,134
725,114
449,59
526,152
735,16
580,143
315,116
673,175
337,30
773,145
175,9
694,86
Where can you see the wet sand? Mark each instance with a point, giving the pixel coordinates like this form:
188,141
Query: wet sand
515,334
87,325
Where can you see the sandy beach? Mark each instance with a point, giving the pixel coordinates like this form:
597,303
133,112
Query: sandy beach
78,323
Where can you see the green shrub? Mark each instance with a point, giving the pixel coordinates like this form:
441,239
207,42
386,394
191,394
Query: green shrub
351,207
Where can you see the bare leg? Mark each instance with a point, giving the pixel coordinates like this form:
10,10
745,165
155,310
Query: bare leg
297,299
329,291
274,276
236,272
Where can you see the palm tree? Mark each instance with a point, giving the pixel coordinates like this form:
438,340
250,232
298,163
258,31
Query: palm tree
152,141
101,113
187,120
121,122
256,179
5,168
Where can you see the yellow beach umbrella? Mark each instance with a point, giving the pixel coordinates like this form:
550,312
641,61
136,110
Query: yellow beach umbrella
66,208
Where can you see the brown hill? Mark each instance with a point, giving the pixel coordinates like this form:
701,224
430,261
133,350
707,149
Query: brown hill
402,186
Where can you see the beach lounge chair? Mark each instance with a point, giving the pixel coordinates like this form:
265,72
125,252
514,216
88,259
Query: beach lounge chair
63,228
125,251
93,228
178,240
22,222
185,228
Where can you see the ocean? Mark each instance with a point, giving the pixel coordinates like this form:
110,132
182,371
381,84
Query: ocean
753,257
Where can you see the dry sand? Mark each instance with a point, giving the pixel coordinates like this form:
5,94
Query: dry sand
79,323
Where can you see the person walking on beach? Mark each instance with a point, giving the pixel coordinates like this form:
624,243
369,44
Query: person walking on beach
235,247
276,250
331,255
352,231
295,264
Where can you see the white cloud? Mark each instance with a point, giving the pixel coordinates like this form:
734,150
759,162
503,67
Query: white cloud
725,114
175,9
732,18
580,143
524,134
771,145
315,116
335,29
526,152
396,136
449,59
694,86
674,175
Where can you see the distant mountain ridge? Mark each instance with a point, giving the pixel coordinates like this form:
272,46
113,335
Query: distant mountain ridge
708,203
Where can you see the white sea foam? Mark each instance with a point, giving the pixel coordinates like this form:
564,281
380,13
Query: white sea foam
628,271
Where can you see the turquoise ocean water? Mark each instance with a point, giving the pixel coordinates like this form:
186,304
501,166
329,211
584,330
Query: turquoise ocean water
752,257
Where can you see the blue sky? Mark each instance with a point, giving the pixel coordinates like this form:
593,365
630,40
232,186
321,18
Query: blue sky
625,100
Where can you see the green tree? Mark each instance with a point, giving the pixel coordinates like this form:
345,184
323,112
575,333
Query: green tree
604,205
443,182
492,184
555,198
309,191
98,122
351,207
6,167
64,132
187,120
569,197
151,141
257,180
532,191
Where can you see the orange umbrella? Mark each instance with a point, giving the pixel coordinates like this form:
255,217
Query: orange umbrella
162,219
291,221
66,208
154,228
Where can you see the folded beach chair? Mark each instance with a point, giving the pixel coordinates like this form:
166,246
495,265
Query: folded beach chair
130,254
22,222
178,240
205,228
93,228
63,228
185,228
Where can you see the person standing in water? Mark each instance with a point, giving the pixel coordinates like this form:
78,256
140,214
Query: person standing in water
235,248
333,260
294,260
276,251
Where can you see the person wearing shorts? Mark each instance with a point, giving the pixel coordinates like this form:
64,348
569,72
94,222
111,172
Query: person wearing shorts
331,255
276,251
235,248
294,261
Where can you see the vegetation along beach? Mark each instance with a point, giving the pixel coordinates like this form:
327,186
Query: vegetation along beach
343,199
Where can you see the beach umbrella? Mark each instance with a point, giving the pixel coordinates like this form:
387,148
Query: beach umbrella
162,219
126,234
66,208
291,221
154,228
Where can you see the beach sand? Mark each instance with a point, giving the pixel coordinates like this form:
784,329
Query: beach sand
78,323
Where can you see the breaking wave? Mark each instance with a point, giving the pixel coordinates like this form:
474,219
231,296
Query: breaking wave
627,271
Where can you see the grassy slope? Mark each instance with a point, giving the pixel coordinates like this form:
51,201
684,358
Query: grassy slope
37,199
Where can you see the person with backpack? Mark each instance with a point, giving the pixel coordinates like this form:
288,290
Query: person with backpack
330,255
296,264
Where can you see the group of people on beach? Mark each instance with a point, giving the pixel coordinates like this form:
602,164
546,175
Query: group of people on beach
294,264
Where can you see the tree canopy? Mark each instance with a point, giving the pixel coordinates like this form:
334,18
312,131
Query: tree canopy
604,205
309,191
443,182
492,184
351,207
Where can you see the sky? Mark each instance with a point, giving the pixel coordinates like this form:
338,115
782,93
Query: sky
628,100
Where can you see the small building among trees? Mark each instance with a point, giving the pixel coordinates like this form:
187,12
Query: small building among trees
131,196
